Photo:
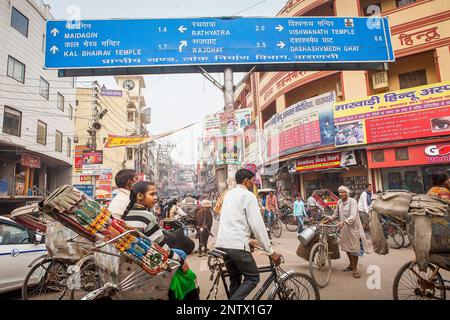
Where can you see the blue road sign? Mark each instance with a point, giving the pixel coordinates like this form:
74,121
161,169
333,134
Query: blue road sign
94,44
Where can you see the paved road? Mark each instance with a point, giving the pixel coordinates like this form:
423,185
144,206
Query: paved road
342,285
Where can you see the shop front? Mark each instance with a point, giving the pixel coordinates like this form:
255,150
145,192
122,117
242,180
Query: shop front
27,175
409,166
329,171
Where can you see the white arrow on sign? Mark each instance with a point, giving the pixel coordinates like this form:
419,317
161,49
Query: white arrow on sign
54,49
281,44
182,44
54,32
182,29
279,27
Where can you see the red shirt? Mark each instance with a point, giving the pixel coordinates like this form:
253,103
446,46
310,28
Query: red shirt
271,203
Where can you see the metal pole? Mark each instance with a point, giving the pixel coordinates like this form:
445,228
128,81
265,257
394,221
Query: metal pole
228,89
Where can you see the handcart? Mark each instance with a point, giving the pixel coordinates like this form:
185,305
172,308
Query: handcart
130,265
326,199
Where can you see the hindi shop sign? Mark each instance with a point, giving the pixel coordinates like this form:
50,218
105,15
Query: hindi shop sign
412,113
304,125
30,161
209,42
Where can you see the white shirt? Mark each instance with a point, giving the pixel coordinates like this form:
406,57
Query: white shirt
362,203
119,203
239,217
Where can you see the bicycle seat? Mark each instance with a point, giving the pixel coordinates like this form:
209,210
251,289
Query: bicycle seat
218,253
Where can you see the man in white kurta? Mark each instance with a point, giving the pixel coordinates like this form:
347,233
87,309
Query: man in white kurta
353,240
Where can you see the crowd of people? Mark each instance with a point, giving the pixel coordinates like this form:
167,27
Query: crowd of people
242,215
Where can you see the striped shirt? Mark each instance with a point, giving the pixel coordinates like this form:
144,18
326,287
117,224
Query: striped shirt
143,220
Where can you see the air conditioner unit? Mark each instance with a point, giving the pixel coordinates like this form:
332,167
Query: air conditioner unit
339,89
380,80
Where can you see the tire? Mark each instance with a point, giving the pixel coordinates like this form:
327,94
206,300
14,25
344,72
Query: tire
395,238
406,286
320,265
46,280
277,228
89,281
291,223
296,286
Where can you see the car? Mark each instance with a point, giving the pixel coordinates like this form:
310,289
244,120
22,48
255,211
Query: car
19,247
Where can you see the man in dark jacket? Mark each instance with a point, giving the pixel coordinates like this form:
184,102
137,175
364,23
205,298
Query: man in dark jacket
203,223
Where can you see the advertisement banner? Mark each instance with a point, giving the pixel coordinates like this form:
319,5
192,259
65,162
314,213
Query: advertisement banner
92,169
252,140
85,178
103,185
87,189
412,113
304,125
321,162
93,157
227,123
78,157
229,149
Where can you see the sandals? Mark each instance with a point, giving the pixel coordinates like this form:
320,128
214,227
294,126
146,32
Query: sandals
356,275
348,269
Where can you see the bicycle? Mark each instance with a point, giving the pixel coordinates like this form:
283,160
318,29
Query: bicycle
275,227
320,255
289,219
393,233
288,285
411,283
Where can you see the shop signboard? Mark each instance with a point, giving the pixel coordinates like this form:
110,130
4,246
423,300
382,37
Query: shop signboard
85,178
93,157
413,155
111,93
78,157
229,149
304,125
141,177
419,112
87,189
30,161
326,161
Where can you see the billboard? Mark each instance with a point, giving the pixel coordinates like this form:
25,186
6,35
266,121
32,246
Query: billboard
229,149
252,154
412,113
304,125
227,123
93,157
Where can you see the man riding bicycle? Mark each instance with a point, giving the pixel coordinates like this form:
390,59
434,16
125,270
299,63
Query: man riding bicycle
240,216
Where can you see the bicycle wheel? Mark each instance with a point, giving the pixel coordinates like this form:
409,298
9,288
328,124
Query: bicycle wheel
277,228
291,223
395,236
320,264
408,286
296,286
89,281
46,281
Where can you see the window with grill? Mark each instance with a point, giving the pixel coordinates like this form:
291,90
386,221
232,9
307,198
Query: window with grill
41,133
401,154
401,3
129,154
44,88
58,141
16,69
378,156
19,22
70,112
60,102
69,147
12,121
413,79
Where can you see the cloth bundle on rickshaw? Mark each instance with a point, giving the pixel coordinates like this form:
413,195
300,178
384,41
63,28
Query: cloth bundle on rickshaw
428,224
91,220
